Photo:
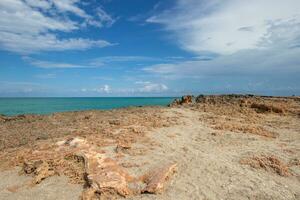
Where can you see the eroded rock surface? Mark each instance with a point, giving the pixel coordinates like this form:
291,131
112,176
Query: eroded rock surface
156,179
104,177
187,99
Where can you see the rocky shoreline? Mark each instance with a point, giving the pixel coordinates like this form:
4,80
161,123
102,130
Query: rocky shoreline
173,151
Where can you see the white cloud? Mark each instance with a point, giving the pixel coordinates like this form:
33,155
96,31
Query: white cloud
106,88
26,43
148,87
103,89
144,87
244,63
52,65
142,82
45,76
110,59
227,27
92,63
33,25
237,43
9,87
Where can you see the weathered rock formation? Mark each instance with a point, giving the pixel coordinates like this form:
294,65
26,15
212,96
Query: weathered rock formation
104,177
155,180
188,99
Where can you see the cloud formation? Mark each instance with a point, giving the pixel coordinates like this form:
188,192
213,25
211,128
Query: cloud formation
238,44
91,63
33,25
8,88
226,27
149,87
103,89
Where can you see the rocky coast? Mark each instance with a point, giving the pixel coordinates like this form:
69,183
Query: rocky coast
204,147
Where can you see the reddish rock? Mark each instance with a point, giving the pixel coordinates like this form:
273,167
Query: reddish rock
188,99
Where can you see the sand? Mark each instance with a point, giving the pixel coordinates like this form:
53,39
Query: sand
210,160
14,186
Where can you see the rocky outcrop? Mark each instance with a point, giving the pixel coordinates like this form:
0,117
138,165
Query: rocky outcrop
104,177
187,99
102,174
156,179
40,169
263,108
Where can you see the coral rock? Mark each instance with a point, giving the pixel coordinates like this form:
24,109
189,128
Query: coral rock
156,179
103,175
188,99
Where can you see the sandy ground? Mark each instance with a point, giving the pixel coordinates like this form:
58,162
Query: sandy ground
16,187
208,161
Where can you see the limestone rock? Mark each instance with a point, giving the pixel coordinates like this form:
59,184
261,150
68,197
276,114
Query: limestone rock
103,175
157,179
40,169
188,99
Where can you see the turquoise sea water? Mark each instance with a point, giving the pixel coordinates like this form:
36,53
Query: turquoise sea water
16,106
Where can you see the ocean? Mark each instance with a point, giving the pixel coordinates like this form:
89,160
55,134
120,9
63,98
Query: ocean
17,106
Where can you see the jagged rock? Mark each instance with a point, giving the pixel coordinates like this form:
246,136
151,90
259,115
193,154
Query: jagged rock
175,103
30,167
40,169
200,98
103,175
157,178
114,122
123,147
188,99
43,171
2,118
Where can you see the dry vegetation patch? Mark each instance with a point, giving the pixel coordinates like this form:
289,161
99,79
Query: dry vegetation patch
27,129
30,142
269,163
244,113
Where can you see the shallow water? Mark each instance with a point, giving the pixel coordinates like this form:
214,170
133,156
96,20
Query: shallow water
16,106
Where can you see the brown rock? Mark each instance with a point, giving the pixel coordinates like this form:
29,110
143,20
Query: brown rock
188,99
40,169
104,178
157,179
103,175
123,147
261,107
175,103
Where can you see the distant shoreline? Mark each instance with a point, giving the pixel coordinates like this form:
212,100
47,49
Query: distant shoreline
45,106
14,106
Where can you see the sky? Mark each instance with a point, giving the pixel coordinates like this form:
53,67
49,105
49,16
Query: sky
100,48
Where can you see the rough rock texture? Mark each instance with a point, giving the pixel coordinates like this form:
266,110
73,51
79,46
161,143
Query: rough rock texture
133,122
103,175
209,138
260,107
188,99
261,104
244,113
40,169
156,179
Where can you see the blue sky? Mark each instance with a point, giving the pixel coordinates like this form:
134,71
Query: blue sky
149,48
